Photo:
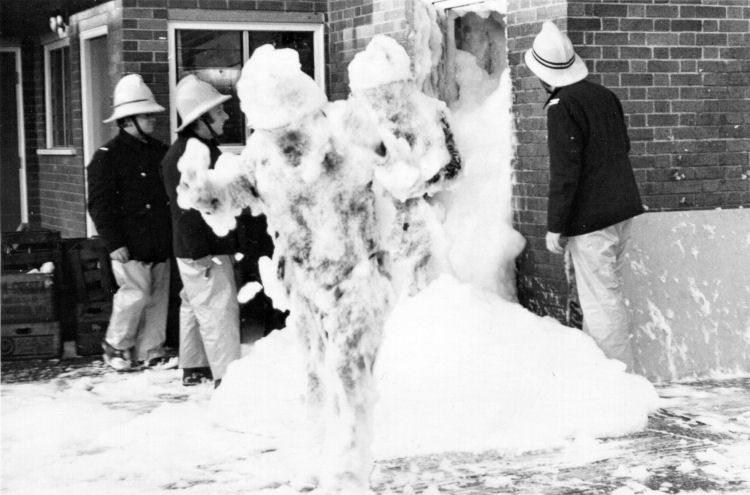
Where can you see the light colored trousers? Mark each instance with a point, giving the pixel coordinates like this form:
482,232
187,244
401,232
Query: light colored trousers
139,308
209,314
598,259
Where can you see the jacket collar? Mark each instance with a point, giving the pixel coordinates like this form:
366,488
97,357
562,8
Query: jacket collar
552,95
190,133
133,141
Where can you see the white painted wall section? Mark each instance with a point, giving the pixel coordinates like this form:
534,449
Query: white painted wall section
687,282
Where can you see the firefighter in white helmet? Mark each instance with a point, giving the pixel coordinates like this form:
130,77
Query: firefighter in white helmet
593,194
131,213
209,314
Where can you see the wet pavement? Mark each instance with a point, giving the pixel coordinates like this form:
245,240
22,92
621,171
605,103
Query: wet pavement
653,460
699,442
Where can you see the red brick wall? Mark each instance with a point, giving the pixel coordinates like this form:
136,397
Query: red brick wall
682,70
143,46
541,281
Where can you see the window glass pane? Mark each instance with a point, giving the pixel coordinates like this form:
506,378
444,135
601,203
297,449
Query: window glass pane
301,41
215,57
59,80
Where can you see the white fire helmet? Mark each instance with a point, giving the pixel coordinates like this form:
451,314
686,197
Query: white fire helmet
195,98
132,97
552,58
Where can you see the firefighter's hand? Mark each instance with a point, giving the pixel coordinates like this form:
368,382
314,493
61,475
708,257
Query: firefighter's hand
120,254
554,243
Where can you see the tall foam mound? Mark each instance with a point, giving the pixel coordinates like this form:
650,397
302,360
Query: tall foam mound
463,369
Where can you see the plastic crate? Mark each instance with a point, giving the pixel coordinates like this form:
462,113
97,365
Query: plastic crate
31,340
91,327
28,297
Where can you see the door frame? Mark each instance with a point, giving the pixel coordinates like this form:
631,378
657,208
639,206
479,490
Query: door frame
16,50
87,124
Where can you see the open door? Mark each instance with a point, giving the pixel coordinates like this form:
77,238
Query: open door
13,207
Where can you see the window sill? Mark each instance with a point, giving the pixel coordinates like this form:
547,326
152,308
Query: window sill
57,151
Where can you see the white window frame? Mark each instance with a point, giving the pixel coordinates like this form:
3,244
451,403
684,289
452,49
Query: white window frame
88,147
318,53
85,36
51,149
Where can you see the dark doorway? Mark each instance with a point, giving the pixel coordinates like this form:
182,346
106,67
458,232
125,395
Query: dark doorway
10,154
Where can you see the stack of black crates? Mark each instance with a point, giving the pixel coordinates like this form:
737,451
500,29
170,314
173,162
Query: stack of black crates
93,287
29,315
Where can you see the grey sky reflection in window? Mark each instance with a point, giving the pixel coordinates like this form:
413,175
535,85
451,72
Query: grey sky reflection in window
215,57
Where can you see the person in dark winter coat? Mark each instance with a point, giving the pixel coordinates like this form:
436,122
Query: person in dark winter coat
131,213
209,313
593,193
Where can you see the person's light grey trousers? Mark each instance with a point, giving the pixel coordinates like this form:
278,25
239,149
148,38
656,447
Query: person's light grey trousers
139,308
598,260
209,314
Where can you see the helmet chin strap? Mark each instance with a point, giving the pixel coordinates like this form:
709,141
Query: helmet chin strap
144,137
204,119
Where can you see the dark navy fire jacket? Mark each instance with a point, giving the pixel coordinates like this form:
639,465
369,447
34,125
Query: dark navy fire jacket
127,201
193,238
592,185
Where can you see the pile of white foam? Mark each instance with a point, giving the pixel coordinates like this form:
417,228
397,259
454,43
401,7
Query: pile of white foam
460,369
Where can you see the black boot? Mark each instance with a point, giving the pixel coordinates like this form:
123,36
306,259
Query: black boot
196,376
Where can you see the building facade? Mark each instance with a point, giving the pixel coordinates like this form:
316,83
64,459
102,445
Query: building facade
681,68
